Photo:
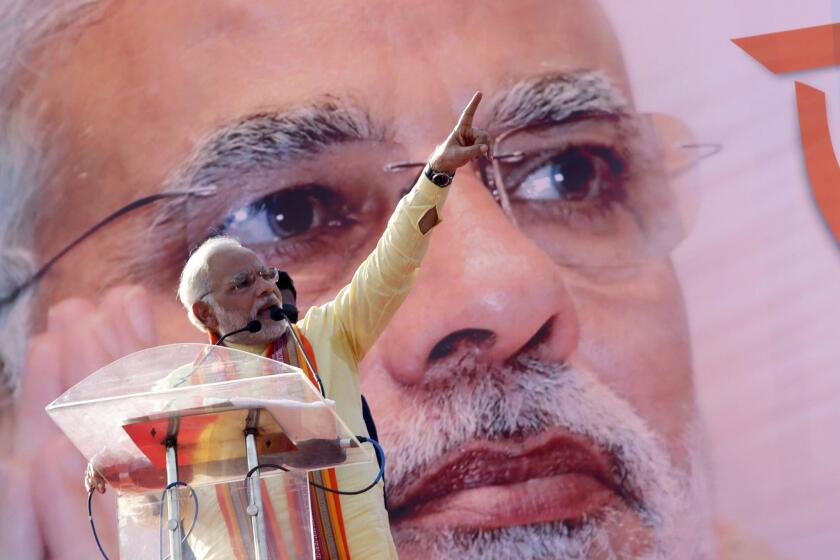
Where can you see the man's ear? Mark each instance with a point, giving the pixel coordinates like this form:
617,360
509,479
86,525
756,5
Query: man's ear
204,312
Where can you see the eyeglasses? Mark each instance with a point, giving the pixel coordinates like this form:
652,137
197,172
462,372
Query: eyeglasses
597,191
594,191
243,280
128,208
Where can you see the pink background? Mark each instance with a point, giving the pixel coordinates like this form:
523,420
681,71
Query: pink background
760,272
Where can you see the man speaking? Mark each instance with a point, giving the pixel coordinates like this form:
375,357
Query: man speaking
224,285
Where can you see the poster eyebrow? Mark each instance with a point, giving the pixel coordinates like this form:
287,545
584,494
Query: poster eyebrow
257,141
555,97
261,140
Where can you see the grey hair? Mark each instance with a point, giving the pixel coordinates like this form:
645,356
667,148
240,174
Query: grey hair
25,25
16,266
21,172
195,277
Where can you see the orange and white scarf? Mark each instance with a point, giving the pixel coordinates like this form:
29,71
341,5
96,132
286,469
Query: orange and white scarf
327,520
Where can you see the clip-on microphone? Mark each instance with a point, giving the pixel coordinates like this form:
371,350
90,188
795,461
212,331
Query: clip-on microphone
253,326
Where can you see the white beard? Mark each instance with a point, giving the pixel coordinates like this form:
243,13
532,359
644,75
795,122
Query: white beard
531,396
230,321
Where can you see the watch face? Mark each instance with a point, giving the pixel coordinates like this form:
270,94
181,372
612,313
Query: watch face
440,179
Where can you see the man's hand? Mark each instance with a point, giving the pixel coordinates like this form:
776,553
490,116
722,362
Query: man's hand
463,144
93,480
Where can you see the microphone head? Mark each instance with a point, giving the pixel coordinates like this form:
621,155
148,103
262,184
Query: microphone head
254,326
276,313
291,312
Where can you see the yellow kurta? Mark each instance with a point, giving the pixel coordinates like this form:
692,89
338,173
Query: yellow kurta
341,332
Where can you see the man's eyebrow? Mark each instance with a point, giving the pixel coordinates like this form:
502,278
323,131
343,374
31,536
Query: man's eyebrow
555,97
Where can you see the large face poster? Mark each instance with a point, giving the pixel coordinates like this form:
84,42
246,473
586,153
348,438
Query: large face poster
628,353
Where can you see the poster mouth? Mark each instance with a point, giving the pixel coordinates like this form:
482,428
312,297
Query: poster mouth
485,484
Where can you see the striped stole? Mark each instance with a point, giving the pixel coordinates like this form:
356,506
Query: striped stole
327,520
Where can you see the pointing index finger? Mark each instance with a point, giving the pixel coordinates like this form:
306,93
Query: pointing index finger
467,116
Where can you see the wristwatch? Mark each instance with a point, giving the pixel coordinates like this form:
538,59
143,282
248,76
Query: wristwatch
439,178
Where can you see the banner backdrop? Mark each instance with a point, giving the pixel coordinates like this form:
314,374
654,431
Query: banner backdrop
623,340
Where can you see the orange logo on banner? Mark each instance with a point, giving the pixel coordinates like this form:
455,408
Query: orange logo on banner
805,49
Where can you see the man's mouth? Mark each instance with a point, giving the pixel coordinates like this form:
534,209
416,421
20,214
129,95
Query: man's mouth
264,309
554,476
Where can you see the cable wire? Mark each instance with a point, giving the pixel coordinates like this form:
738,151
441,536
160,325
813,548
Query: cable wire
160,516
362,439
379,453
93,525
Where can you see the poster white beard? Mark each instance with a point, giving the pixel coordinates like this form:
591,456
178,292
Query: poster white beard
670,517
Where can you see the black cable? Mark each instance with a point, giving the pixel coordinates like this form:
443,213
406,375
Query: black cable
379,454
160,516
160,520
93,525
255,469
139,203
320,384
263,466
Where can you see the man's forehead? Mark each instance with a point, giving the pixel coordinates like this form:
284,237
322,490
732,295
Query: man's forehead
229,260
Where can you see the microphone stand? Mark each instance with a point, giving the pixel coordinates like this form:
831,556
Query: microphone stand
173,523
277,314
255,508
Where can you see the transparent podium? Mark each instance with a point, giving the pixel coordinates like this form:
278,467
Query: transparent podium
207,416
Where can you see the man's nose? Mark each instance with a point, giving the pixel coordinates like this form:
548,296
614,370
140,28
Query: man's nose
483,287
264,287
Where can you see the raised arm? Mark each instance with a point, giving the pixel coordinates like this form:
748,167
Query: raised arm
363,308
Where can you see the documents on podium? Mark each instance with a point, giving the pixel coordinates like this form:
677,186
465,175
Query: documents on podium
183,412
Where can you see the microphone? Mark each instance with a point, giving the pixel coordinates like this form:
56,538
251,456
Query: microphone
288,312
291,312
253,326
276,313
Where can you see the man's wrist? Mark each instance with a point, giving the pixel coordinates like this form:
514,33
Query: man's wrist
441,178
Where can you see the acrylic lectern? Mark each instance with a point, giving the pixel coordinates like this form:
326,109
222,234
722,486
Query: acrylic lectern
175,429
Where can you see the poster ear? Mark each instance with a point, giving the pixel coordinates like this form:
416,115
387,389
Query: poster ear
681,153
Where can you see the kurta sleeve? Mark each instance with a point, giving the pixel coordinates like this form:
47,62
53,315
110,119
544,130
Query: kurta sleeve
362,309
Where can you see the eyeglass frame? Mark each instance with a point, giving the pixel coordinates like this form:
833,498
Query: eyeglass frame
500,195
499,190
113,216
253,274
